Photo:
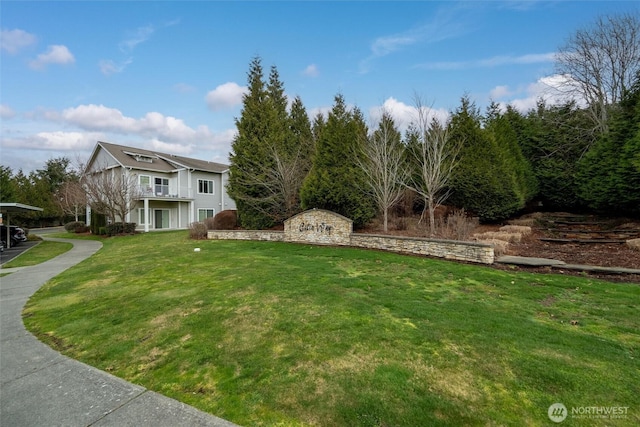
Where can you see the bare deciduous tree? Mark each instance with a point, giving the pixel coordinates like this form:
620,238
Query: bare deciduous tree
72,198
383,163
600,63
111,192
436,157
278,180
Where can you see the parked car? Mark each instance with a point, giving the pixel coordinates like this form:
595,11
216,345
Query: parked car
16,234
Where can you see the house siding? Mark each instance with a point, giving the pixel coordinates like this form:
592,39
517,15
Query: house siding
181,200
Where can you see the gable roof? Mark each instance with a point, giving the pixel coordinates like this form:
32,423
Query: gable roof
138,158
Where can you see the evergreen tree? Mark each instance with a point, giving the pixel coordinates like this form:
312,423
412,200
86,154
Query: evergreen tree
481,181
504,129
335,181
554,139
270,154
248,149
609,174
7,185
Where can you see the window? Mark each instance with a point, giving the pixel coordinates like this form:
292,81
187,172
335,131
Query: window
145,184
206,213
162,186
142,217
205,186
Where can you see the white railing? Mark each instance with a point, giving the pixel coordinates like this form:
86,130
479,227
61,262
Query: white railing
163,191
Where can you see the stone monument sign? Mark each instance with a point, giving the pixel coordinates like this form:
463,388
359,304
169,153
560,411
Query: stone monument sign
318,226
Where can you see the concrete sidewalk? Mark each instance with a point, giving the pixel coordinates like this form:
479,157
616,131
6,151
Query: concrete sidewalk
39,386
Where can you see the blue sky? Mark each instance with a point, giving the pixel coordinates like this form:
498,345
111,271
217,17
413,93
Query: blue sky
170,75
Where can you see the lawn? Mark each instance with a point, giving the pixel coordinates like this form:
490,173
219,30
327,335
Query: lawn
42,252
264,333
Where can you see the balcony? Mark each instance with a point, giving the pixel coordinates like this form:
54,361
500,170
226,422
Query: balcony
164,192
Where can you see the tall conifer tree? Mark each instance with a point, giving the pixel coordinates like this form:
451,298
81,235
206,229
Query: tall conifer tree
335,181
481,181
269,152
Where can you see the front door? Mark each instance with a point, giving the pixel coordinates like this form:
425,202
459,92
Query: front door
161,218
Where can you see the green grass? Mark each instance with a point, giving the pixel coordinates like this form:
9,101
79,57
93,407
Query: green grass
283,334
40,253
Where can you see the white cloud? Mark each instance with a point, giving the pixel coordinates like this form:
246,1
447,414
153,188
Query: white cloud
128,45
54,141
56,54
109,67
494,61
183,88
555,89
153,126
12,41
404,114
139,35
446,24
227,95
92,123
6,112
388,44
164,147
499,92
311,71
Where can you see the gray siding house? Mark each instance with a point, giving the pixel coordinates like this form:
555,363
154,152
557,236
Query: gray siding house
173,191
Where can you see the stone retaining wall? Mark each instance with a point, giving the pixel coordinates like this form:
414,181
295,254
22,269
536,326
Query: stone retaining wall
448,249
271,236
318,226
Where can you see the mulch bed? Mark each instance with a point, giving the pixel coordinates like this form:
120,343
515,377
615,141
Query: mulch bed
596,254
599,254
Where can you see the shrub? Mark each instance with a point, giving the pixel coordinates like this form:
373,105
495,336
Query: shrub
73,226
82,229
526,222
121,228
198,230
97,220
500,247
401,223
634,244
500,235
102,231
210,223
225,220
457,226
522,229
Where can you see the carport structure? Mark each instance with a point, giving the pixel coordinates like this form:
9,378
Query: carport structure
8,208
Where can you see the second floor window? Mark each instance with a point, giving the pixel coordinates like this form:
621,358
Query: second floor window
205,186
145,183
162,186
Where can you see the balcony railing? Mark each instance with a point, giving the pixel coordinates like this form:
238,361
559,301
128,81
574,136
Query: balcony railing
164,191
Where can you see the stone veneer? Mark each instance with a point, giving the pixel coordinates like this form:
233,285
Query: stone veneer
272,236
318,226
449,249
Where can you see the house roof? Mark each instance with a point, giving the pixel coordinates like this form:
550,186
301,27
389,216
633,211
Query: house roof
138,158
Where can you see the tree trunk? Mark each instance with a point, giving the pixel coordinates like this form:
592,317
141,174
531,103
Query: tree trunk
386,220
432,217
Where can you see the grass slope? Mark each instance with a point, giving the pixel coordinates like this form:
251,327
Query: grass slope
283,334
40,253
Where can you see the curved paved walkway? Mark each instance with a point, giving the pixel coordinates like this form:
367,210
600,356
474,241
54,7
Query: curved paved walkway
39,386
